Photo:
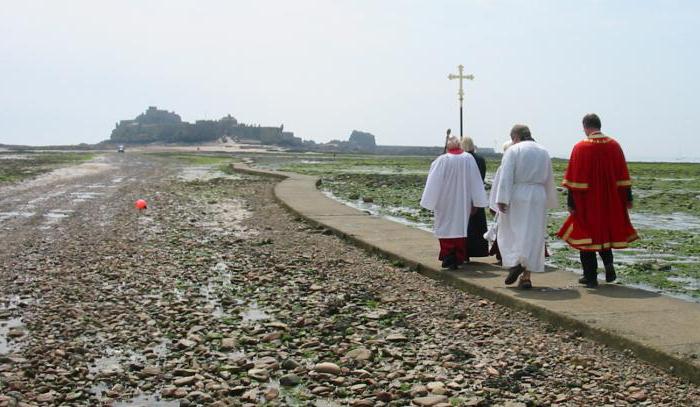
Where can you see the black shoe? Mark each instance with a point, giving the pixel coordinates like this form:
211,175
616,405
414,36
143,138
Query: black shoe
610,274
449,261
591,281
513,274
583,280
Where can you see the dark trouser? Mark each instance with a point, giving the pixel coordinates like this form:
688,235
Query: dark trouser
590,263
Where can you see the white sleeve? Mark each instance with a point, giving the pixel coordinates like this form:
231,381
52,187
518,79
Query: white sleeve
507,173
476,186
494,187
433,185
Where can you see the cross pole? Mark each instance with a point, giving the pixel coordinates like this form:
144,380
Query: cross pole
461,77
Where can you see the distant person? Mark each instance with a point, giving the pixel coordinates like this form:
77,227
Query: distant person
600,194
477,246
525,191
493,208
453,191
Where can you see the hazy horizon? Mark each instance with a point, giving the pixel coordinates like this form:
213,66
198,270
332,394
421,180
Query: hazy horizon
70,71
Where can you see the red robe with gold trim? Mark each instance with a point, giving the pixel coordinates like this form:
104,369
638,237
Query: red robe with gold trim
598,178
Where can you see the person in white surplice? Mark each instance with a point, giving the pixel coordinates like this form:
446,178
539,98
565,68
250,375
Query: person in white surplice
525,190
453,191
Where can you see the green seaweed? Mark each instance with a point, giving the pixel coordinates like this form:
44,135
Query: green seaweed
394,184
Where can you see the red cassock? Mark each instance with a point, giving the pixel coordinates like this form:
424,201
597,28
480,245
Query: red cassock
598,178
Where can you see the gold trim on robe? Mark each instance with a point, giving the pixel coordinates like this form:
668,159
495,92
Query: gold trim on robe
585,244
575,185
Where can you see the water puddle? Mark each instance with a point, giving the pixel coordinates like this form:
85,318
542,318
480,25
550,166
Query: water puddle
203,173
84,196
213,304
236,355
98,389
149,225
691,284
10,330
386,213
226,219
56,215
161,350
11,325
14,157
107,366
254,313
671,221
114,361
147,400
33,202
15,214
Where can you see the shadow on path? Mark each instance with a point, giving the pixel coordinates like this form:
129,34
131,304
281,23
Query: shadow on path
618,291
546,293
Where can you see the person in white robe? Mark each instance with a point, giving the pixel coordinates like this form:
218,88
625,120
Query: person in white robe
524,192
492,232
453,191
496,179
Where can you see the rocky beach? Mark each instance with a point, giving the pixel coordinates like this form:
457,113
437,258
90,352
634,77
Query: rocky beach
216,295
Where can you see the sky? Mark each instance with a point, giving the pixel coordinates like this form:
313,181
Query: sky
69,70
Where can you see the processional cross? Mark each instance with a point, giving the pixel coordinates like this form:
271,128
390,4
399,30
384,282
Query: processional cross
461,77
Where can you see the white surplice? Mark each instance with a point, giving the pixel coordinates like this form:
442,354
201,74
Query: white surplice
526,185
494,186
454,185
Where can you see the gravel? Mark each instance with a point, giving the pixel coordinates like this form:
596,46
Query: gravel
215,295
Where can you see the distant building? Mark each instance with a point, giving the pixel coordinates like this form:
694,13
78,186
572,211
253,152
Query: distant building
155,125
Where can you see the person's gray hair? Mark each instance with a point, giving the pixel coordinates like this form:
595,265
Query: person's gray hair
521,131
452,142
468,144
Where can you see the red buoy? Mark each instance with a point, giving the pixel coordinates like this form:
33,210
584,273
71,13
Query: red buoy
140,204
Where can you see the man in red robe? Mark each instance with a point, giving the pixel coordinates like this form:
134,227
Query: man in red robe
600,194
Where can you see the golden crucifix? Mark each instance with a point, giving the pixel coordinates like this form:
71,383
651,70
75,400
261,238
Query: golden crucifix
461,76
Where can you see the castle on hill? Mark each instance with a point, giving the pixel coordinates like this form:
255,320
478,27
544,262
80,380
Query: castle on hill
161,126
156,125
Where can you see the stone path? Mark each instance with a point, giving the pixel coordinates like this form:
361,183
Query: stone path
660,329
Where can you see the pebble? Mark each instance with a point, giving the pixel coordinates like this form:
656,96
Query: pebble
150,371
228,344
327,367
396,338
259,374
290,380
429,401
359,354
184,381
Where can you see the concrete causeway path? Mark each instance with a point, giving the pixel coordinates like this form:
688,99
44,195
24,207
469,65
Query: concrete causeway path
657,328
